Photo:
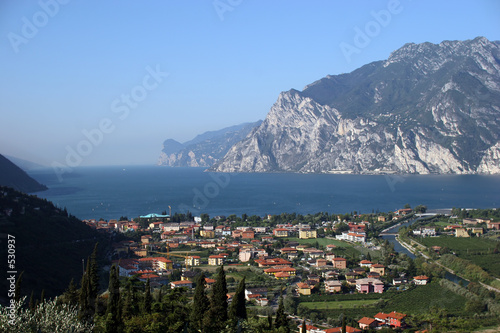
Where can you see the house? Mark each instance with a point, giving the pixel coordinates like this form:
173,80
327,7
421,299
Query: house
369,285
207,233
352,237
461,232
399,281
209,282
420,280
216,260
178,284
477,230
493,225
193,260
425,232
340,263
348,329
280,232
273,262
355,227
309,329
381,318
163,263
378,268
403,211
333,286
256,292
321,262
365,263
381,218
304,288
366,323
306,234
248,234
396,319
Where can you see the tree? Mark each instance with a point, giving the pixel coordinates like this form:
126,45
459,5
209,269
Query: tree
93,270
113,313
304,326
216,317
147,298
238,308
201,303
281,319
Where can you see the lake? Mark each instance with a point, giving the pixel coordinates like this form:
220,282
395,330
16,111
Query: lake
114,191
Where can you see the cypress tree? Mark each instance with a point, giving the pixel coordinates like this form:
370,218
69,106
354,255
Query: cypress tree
217,315
344,325
304,326
147,298
238,309
201,303
113,313
281,318
93,270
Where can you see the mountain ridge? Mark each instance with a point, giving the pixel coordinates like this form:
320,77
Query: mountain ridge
428,108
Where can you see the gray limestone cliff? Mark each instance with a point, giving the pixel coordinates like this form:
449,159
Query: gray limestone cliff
429,108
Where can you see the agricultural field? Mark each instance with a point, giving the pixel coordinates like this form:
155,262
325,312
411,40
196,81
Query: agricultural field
422,298
461,245
478,250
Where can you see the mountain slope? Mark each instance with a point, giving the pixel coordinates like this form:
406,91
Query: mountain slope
49,243
205,149
427,109
13,176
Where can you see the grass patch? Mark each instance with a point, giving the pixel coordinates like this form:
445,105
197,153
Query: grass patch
339,304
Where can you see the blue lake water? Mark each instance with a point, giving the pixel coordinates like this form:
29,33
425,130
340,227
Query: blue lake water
111,192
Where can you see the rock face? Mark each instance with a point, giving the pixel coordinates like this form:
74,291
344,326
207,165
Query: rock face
205,149
427,109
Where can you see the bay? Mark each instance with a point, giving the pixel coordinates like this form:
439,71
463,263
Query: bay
114,191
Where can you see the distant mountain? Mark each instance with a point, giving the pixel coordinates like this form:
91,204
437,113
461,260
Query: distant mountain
429,108
13,176
205,149
49,243
24,164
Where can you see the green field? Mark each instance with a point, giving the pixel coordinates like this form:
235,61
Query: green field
460,245
422,298
478,250
339,304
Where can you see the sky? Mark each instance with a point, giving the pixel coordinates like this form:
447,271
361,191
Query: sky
106,82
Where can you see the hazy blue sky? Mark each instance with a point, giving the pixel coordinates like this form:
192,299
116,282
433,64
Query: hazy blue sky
89,78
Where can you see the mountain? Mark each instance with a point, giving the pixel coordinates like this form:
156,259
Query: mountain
49,243
428,108
205,149
24,164
13,176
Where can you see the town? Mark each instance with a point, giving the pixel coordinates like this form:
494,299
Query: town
321,265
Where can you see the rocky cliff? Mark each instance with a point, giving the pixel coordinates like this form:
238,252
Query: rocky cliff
205,149
429,108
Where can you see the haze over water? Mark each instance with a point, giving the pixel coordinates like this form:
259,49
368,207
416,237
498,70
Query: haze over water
111,192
